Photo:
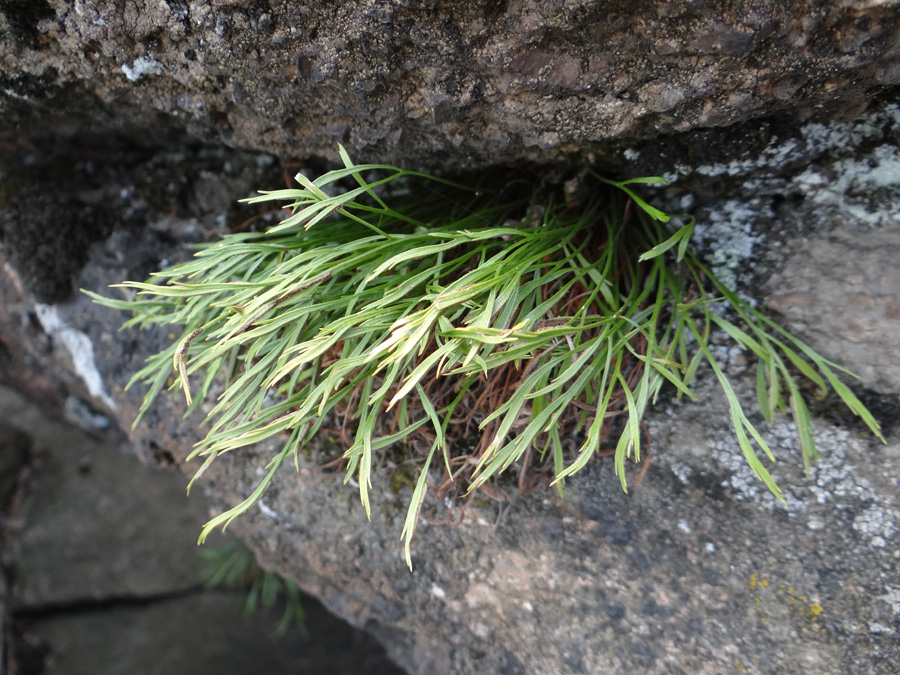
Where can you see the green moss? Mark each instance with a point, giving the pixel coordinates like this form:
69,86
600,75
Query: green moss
402,478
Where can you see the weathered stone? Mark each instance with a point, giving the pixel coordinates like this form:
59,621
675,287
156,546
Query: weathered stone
698,569
150,639
436,83
14,447
95,508
844,293
811,227
107,577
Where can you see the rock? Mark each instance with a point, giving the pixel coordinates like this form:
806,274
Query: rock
138,524
850,283
106,577
810,227
14,447
150,639
432,84
699,569
754,112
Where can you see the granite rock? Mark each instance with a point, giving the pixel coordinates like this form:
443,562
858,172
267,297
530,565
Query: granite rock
435,84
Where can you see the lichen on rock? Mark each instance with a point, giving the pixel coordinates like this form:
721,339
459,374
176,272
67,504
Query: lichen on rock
778,122
427,84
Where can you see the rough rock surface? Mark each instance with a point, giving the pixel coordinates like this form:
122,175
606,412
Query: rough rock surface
849,269
810,227
435,83
698,570
127,639
105,576
54,557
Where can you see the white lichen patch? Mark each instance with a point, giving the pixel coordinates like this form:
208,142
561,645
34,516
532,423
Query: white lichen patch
847,136
143,65
773,157
741,481
878,524
271,513
892,597
862,186
854,180
680,469
729,233
834,480
817,139
80,348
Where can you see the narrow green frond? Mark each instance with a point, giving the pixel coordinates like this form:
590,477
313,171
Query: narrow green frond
442,318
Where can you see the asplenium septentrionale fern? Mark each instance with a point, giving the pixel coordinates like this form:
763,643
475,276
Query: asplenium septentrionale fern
474,331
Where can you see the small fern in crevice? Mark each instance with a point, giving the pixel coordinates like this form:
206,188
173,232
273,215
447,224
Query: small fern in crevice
478,332
234,567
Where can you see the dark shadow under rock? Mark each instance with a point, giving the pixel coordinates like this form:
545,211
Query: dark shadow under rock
106,577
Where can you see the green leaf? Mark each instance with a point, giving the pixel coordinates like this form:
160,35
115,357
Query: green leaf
762,392
681,236
410,316
651,211
804,427
685,239
649,180
415,506
224,519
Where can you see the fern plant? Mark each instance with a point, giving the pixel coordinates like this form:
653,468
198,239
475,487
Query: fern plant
477,332
234,567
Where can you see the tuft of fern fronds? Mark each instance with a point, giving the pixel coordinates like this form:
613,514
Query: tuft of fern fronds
450,318
233,566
